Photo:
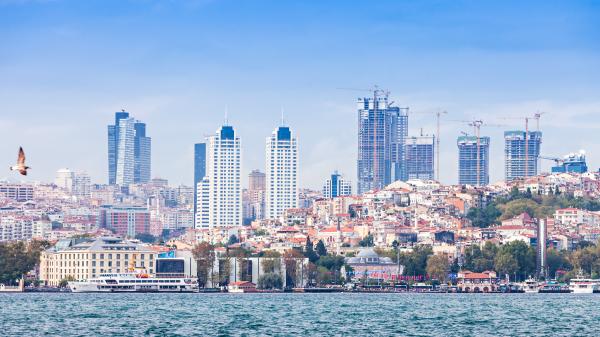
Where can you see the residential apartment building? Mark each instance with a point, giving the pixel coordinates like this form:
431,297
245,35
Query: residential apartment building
282,172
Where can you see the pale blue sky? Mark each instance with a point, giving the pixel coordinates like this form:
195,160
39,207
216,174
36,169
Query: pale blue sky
66,66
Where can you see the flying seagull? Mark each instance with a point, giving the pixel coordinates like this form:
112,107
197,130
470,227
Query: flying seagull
20,163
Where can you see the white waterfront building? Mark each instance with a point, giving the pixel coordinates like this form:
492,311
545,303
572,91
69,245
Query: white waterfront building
220,192
282,172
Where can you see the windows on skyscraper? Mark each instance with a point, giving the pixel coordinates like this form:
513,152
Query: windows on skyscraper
129,151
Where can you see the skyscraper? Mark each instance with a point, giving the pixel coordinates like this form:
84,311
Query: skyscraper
256,194
142,150
199,169
282,172
516,163
336,186
420,157
129,151
467,160
382,130
219,197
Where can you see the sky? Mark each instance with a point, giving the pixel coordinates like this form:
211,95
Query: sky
67,66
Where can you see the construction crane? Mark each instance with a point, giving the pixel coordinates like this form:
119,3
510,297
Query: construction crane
477,124
557,161
537,116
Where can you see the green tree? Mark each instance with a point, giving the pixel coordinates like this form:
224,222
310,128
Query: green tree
146,237
506,264
557,260
309,251
204,254
415,262
438,267
270,281
64,282
233,239
367,241
321,250
18,258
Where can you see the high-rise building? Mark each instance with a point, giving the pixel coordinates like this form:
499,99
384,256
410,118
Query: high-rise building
382,130
420,157
256,195
282,172
199,169
142,151
129,151
336,186
64,179
467,160
82,185
220,192
521,158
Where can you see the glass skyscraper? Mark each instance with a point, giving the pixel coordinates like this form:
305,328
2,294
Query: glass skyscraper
515,164
199,169
129,151
420,157
382,131
467,160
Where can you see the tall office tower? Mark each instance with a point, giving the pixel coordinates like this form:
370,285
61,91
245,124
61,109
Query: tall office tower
129,151
256,194
336,186
142,150
199,169
467,160
520,157
420,157
282,172
382,131
220,192
64,179
82,185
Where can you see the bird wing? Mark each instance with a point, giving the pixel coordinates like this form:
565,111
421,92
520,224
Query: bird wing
23,172
21,159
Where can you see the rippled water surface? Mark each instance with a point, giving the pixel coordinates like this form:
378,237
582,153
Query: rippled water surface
340,314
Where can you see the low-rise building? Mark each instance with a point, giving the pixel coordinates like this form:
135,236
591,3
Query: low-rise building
82,260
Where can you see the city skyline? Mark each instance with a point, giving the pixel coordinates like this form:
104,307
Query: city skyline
178,81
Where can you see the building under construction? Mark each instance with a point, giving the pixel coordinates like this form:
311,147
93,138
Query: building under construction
382,130
467,160
521,154
420,157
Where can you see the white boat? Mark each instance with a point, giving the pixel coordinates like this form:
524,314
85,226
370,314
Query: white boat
531,286
584,285
134,282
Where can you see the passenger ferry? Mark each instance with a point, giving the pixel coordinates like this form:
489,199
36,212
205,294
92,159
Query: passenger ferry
584,286
531,286
134,282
